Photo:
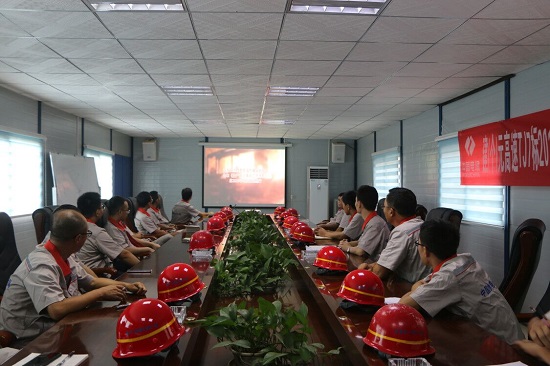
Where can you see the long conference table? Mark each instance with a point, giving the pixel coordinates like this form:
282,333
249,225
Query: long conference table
457,341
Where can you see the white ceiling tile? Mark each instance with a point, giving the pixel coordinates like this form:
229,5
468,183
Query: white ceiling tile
60,24
86,48
65,79
240,6
520,54
431,69
355,81
41,65
312,50
493,31
19,79
237,25
8,29
492,70
298,80
69,5
464,83
159,66
446,53
342,92
443,9
244,92
410,30
336,100
383,91
6,68
238,50
240,81
381,100
108,66
242,67
541,38
181,80
24,47
288,67
123,79
319,27
357,68
516,9
148,25
387,51
405,82
169,49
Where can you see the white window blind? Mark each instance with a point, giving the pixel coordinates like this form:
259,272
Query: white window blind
386,170
22,167
104,169
483,204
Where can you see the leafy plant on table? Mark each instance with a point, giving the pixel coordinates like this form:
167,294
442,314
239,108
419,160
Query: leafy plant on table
277,335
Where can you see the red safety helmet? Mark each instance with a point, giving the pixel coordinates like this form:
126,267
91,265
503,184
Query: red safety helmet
283,216
399,330
302,233
293,212
146,327
295,226
289,221
202,239
279,210
222,215
331,257
228,212
363,287
215,223
177,282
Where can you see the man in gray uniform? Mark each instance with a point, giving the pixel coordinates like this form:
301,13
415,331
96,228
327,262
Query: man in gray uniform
400,256
145,223
459,284
351,231
375,230
100,250
184,213
45,287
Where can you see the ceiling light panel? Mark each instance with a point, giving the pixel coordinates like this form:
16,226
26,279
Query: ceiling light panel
357,7
187,90
291,91
137,5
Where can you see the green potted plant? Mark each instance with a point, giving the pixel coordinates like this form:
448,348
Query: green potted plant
268,334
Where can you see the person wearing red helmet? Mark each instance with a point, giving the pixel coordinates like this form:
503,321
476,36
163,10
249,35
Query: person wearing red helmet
400,256
375,232
146,327
459,284
352,231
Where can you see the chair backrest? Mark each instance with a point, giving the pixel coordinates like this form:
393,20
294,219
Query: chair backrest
132,202
42,219
524,260
447,214
9,257
421,212
161,206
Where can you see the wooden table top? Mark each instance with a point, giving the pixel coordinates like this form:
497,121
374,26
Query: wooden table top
457,341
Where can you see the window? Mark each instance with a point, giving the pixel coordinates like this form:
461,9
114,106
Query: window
104,167
483,204
22,167
386,170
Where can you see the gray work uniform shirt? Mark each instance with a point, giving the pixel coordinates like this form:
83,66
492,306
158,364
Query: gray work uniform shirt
100,249
374,237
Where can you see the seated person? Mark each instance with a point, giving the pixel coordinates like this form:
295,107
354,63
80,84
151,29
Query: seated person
118,211
45,287
184,213
459,284
351,231
156,215
400,256
375,231
334,222
539,331
99,249
421,212
144,222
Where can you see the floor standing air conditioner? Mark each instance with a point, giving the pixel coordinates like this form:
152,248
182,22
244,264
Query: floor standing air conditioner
317,193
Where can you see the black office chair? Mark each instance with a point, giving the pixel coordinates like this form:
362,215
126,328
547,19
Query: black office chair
132,203
421,212
9,261
42,219
446,214
524,260
161,206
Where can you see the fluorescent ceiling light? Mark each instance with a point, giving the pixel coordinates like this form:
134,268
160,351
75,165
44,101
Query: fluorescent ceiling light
362,7
208,122
291,91
187,90
137,5
276,122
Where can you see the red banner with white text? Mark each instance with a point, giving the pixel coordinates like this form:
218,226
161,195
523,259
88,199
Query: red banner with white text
512,152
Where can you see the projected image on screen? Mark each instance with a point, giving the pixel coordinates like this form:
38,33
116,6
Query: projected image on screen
246,177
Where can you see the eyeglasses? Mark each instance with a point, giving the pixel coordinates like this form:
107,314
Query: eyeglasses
87,234
417,243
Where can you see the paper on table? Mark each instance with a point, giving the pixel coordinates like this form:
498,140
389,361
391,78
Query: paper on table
74,360
317,237
392,300
315,248
517,363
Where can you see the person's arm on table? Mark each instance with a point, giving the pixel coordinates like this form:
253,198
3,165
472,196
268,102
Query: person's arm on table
539,331
534,349
351,247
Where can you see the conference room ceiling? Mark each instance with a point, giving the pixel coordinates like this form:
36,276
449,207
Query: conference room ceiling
113,67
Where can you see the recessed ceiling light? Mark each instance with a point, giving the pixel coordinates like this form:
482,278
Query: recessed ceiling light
137,5
187,90
276,122
208,122
361,7
291,91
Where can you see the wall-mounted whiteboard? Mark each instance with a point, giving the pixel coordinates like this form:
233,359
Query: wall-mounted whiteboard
72,176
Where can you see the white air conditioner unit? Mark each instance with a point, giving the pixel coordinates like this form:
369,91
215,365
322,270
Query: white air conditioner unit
317,193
